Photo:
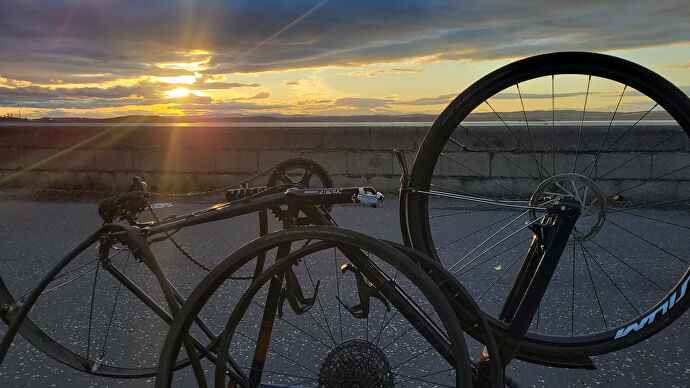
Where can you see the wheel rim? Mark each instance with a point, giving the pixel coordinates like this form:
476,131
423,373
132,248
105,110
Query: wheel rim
463,137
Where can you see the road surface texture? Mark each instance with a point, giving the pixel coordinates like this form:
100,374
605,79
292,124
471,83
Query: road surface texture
32,234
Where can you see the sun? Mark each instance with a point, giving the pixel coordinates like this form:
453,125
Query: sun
178,92
180,79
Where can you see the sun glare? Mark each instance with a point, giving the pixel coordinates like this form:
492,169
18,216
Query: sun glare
180,79
177,93
188,66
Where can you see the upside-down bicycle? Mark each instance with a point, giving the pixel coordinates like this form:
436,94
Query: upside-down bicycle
547,235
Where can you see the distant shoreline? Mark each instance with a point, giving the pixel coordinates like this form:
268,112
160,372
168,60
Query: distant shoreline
319,124
535,117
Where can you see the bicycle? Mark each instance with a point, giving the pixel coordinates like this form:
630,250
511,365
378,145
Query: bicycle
428,314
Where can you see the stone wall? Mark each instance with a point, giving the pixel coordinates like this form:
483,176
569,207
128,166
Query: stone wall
176,159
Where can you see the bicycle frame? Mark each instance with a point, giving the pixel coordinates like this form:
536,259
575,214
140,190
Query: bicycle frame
140,236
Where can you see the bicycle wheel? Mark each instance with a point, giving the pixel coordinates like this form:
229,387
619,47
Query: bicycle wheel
336,308
590,127
103,313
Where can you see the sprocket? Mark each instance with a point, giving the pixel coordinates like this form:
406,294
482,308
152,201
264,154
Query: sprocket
298,172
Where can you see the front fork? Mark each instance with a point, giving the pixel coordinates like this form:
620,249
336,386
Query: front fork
548,243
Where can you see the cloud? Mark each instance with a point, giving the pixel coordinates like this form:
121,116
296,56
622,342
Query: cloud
67,37
68,41
223,85
447,98
389,71
363,103
442,99
260,96
140,93
238,106
538,96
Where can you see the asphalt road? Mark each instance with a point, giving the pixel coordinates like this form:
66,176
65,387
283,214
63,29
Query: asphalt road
33,233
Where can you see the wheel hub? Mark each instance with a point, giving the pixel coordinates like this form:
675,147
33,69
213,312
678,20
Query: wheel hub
581,189
356,363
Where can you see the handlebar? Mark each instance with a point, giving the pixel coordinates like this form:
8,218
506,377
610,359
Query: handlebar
364,196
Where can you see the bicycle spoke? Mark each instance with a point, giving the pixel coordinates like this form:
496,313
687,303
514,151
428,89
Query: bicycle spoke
91,308
501,154
582,121
500,278
516,204
527,225
625,133
47,291
445,155
256,342
594,286
271,372
652,219
634,157
648,242
450,214
614,210
572,294
104,344
625,263
613,282
554,135
529,132
414,357
653,180
318,300
463,237
385,315
421,378
338,276
383,327
509,249
606,136
296,327
395,340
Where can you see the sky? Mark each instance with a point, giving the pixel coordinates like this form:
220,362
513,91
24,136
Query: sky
191,57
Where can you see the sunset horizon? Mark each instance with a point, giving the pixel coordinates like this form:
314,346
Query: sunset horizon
312,58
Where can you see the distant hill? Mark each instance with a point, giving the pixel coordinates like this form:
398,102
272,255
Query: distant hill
532,116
